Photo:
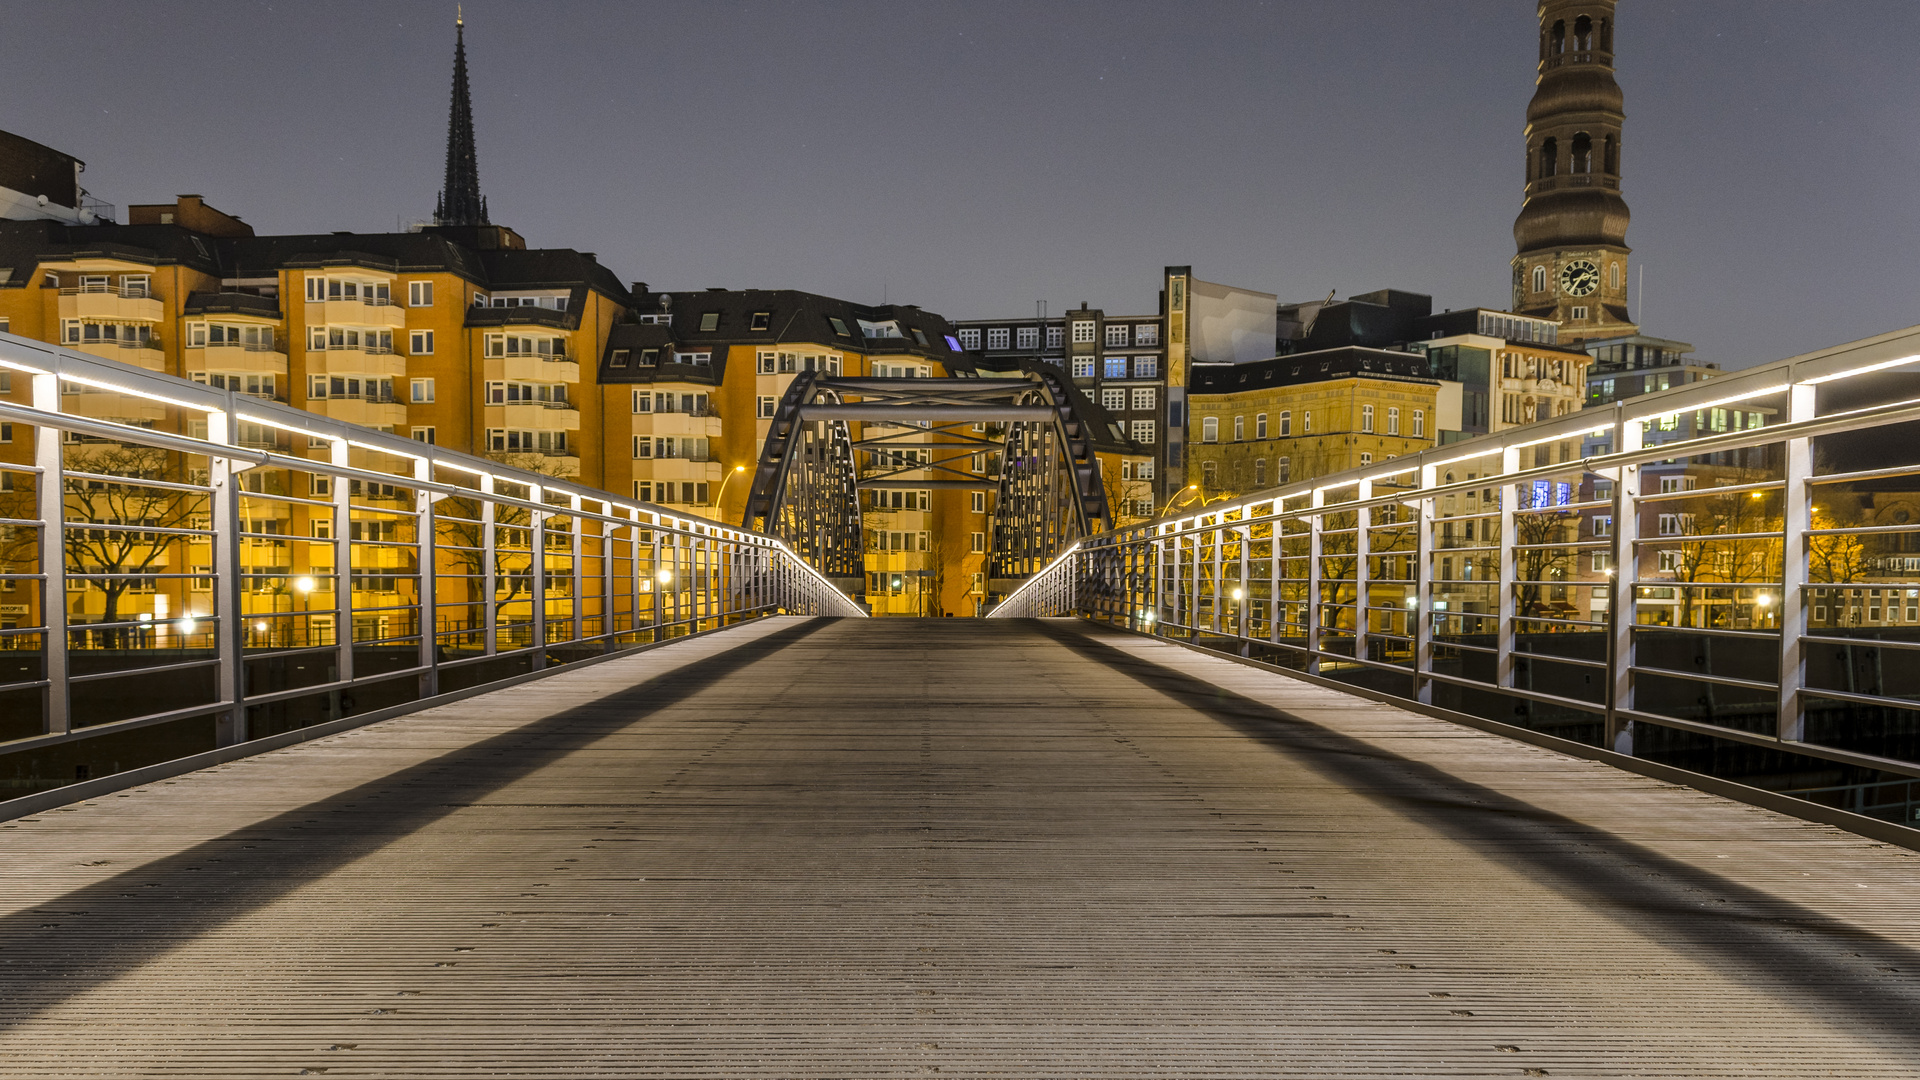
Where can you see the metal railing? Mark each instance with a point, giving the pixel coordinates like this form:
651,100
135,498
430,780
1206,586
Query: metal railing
182,585
1728,596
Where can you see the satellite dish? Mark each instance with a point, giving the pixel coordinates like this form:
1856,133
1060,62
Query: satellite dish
666,301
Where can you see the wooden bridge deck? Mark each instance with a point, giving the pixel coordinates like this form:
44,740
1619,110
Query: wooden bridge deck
959,848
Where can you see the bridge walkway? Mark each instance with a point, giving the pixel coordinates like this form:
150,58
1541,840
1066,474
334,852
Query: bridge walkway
885,848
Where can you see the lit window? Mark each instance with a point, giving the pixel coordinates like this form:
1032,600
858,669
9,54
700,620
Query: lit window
1116,367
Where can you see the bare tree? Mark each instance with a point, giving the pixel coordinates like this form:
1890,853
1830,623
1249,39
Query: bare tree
122,550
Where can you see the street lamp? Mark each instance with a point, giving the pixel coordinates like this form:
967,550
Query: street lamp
737,469
1176,495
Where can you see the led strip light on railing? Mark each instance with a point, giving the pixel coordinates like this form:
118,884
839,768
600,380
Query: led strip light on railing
1034,581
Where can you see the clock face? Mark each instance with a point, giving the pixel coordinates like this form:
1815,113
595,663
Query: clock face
1579,278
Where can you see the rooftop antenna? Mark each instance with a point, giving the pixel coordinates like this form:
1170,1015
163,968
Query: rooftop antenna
1307,330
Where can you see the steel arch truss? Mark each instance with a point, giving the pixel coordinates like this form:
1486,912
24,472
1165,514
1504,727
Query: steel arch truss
806,489
803,489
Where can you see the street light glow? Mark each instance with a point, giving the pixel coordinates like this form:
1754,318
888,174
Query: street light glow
665,576
303,584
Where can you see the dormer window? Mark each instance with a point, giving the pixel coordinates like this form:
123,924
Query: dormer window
619,358
710,321
649,357
839,326
761,320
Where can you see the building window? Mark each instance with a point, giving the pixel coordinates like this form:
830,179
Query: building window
419,294
1028,337
1539,279
423,435
1603,525
1055,335
1239,429
760,320
1286,422
998,337
1283,471
1613,269
1210,429
1142,431
1083,333
1393,420
1306,423
1116,336
839,326
1366,418
1113,399
977,542
1578,314
421,343
1115,367
1669,561
1143,398
1260,472
1419,423
1260,426
1366,458
970,340
1146,334
979,502
1083,367
422,391
1146,367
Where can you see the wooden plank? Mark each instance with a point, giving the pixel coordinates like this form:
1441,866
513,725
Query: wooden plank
889,848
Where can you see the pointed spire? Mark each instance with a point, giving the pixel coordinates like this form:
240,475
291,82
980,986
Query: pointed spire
460,202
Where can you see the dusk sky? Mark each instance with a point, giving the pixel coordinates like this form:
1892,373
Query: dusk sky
976,157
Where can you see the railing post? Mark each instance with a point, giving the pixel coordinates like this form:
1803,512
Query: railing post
425,535
1509,536
1315,545
230,728
1621,606
537,495
1422,611
1797,518
1217,540
1276,607
52,499
1362,544
341,455
490,557
579,603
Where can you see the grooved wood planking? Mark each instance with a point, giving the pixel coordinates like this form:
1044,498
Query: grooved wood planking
892,848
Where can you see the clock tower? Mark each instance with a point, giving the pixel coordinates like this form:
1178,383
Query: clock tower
1572,230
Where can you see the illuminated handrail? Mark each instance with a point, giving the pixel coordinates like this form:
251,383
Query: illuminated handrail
154,536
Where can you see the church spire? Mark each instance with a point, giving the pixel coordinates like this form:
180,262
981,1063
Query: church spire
460,201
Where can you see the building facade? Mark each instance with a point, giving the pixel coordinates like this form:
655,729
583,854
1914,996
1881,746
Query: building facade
1311,414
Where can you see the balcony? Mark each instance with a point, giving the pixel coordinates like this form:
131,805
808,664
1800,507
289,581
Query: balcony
356,360
534,369
366,311
679,468
109,304
704,423
367,412
247,359
141,354
534,416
